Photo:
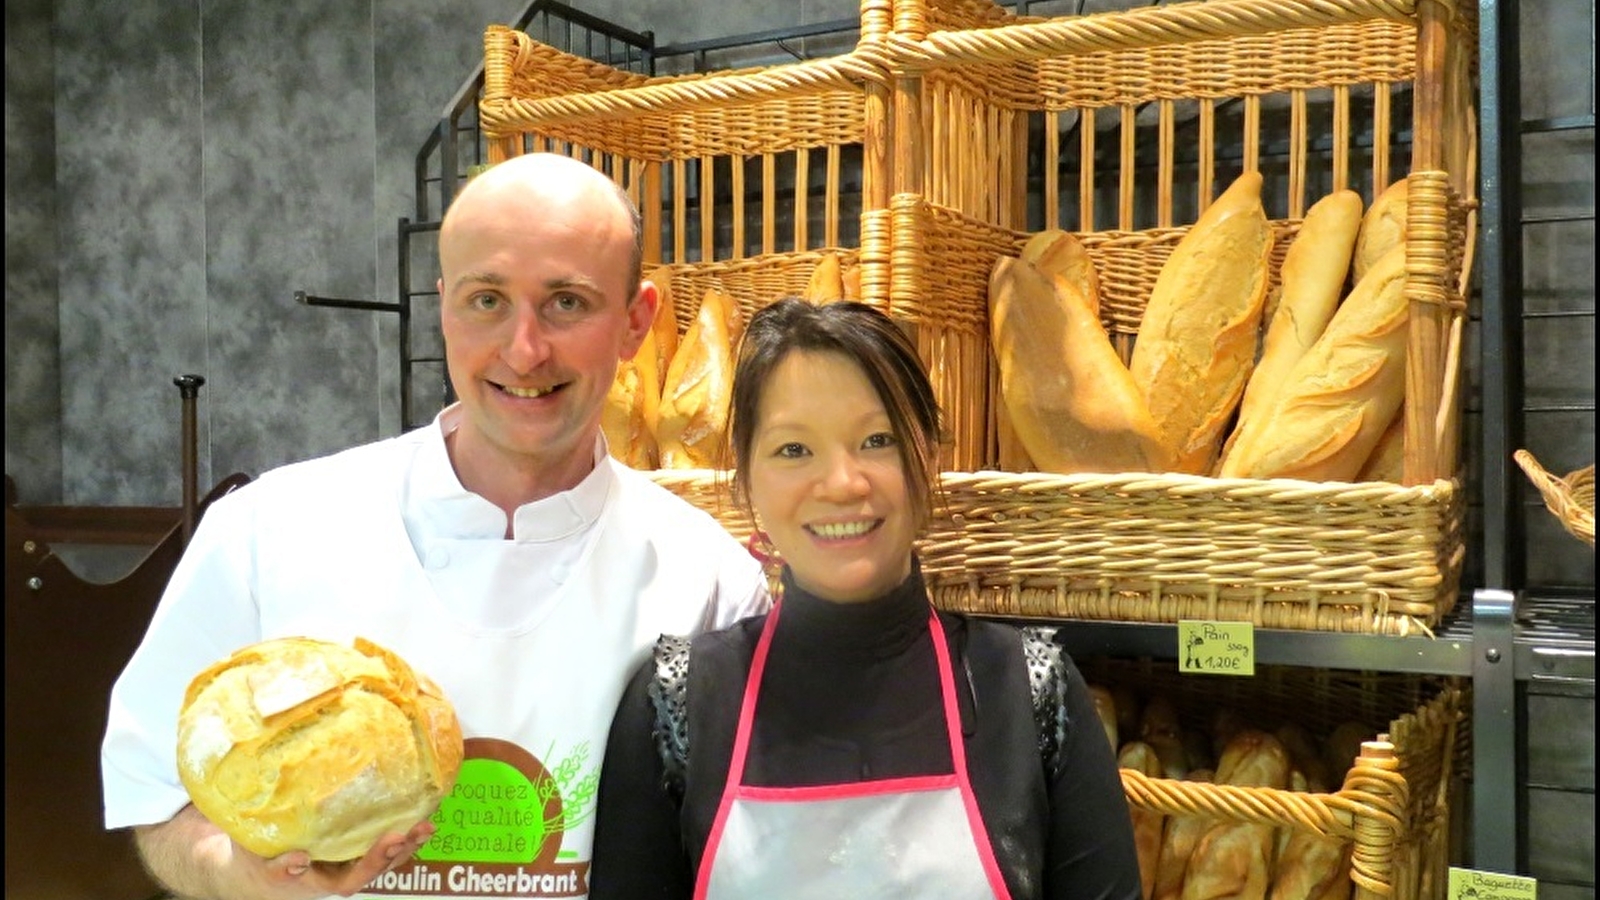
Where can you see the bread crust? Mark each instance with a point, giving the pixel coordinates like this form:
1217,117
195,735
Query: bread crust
1197,340
1069,399
693,415
302,744
1341,396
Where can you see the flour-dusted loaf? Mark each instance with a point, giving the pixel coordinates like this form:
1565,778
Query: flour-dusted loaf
301,744
1313,276
1068,397
1341,395
693,416
1197,339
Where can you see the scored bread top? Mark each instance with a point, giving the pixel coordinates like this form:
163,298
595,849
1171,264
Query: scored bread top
295,743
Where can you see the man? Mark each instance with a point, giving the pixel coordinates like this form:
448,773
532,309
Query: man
500,551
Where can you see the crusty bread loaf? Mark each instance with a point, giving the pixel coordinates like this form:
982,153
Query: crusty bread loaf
1197,339
850,278
1177,846
300,744
827,281
1070,400
631,408
1148,824
693,415
1387,462
1340,396
665,324
1056,252
1313,277
1382,228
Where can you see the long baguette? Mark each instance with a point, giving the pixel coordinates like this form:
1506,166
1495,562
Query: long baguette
631,407
1197,339
1070,400
1382,228
1313,276
665,325
699,386
1341,395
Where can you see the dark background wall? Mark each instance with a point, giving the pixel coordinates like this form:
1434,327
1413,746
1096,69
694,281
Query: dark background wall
176,171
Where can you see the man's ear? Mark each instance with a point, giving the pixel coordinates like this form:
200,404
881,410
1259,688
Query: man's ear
641,317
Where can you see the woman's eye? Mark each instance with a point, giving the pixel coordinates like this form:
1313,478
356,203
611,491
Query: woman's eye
881,439
791,450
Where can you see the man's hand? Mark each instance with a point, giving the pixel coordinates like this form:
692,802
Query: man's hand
191,857
346,878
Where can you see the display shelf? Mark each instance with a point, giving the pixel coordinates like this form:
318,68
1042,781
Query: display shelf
1554,639
1496,639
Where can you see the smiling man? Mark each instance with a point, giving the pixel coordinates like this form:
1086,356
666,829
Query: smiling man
500,550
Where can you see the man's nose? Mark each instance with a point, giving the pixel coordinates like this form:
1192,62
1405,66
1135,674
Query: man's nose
526,344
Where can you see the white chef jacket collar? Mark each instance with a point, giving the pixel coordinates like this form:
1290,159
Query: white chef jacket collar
441,508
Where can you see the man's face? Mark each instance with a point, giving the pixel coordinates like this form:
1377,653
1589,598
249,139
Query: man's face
537,308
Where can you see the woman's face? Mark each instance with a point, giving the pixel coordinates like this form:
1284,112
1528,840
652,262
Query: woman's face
826,479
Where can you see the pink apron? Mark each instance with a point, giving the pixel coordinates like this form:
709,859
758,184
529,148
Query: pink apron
917,837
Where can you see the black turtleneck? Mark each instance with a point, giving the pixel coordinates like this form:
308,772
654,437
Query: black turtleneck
851,693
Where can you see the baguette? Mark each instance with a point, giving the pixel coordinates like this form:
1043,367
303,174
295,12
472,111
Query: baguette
629,417
850,279
1069,398
1382,228
1314,272
1148,825
693,414
827,281
1388,459
1197,340
1340,396
665,324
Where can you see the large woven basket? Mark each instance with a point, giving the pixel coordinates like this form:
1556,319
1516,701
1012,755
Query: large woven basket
1394,806
993,144
1569,498
1362,558
744,178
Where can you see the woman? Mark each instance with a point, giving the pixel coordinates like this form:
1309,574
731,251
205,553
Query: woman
853,742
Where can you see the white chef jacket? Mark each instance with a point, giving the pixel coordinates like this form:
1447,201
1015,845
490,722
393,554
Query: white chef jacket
531,639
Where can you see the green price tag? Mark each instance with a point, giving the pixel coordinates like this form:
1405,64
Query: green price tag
1216,648
1470,884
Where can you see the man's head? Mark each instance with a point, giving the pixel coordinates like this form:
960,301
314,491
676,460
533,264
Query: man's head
540,298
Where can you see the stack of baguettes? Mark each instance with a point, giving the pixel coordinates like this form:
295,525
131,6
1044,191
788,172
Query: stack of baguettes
1188,857
1225,379
668,406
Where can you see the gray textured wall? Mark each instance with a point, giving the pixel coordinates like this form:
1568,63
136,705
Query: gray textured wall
176,171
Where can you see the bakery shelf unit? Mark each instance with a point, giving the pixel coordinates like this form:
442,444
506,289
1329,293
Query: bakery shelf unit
1516,640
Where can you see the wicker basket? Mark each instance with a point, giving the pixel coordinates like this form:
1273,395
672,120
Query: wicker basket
984,157
741,176
1569,499
1361,559
1394,806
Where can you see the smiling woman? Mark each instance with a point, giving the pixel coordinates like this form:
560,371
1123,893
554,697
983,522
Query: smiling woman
853,762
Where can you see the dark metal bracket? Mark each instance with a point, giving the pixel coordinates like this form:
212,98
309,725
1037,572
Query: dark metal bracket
338,303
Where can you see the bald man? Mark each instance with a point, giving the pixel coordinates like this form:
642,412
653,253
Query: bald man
500,550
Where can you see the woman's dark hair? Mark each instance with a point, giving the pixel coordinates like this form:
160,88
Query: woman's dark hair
870,339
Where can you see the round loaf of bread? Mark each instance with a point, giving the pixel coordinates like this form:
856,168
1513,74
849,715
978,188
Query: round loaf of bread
301,744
